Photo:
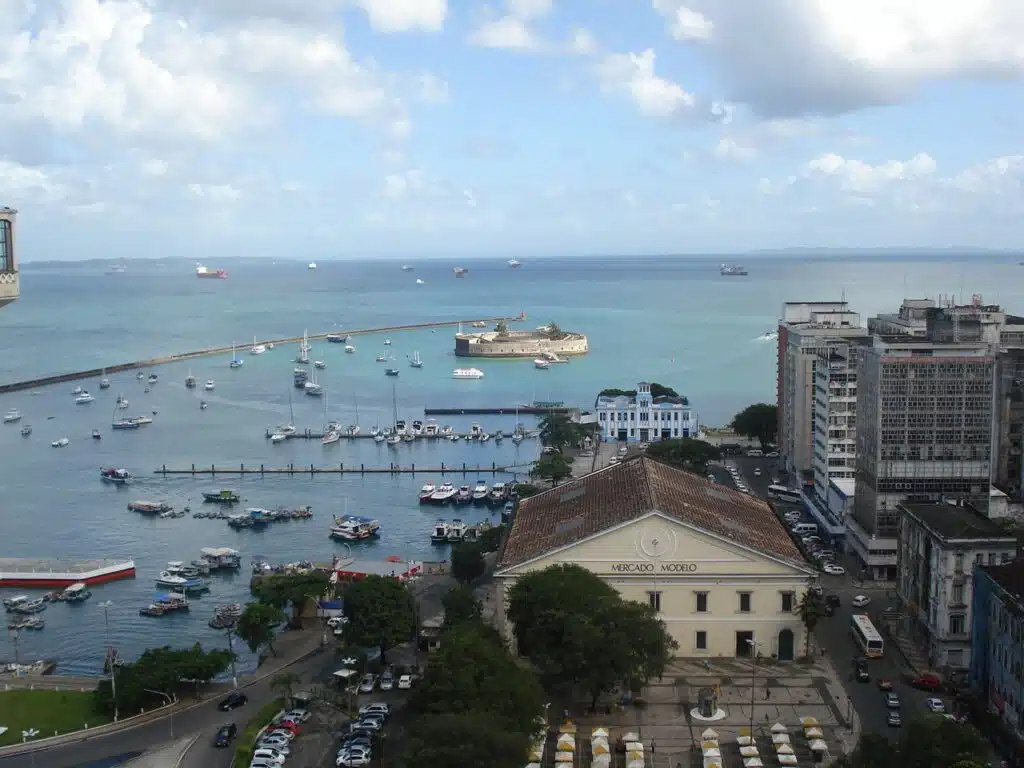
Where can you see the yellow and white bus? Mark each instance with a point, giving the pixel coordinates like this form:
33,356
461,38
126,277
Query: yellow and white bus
866,636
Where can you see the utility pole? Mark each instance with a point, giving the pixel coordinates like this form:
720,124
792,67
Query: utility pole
108,651
754,648
231,650
17,655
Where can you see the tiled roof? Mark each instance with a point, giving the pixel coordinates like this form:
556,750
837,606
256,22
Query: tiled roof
630,489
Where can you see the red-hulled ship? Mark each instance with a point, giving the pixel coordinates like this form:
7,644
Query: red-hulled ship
220,274
46,574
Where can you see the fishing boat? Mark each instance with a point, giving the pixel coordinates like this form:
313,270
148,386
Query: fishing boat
444,494
440,532
480,492
354,528
456,531
236,361
60,442
415,361
498,494
12,416
221,497
221,558
464,495
190,381
116,476
209,386
150,507
257,349
76,593
181,583
26,430
303,357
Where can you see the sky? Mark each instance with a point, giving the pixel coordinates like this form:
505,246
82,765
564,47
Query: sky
339,129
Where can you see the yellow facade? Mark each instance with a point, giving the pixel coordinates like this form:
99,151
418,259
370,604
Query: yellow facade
713,593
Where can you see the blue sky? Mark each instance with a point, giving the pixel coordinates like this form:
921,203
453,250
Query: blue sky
348,128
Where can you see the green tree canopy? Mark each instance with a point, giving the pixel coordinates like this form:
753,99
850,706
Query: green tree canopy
554,467
490,538
468,563
460,605
473,672
685,453
257,626
528,489
759,422
578,632
657,390
381,613
292,590
812,610
928,741
558,430
467,739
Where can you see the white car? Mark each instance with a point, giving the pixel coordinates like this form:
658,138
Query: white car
757,471
405,682
376,709
833,570
269,754
860,601
352,759
935,705
296,716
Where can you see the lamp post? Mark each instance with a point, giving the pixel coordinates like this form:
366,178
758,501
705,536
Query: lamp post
754,648
106,606
231,649
170,700
17,654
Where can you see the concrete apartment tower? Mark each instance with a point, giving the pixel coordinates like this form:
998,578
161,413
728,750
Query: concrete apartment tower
927,420
10,287
806,330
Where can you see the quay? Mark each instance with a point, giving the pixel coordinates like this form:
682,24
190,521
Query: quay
20,386
539,410
314,434
341,469
45,574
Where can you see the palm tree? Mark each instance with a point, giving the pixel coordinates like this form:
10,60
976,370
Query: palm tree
284,682
811,610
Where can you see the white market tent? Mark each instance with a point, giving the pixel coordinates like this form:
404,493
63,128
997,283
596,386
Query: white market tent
779,728
752,762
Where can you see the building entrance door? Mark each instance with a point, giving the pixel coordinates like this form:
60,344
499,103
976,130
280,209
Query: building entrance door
644,435
786,645
744,645
622,435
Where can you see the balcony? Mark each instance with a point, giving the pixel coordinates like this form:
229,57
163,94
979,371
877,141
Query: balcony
10,287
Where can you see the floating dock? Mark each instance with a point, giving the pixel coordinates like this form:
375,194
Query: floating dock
341,469
46,574
19,386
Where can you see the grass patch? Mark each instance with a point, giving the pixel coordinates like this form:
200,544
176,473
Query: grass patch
243,752
46,711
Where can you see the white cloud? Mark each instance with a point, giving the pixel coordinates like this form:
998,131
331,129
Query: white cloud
634,74
507,32
1001,175
155,167
729,149
528,10
431,89
684,23
18,182
215,193
516,30
405,15
859,176
398,186
801,57
582,42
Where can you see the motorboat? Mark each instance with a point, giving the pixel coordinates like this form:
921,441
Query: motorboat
35,605
464,495
499,436
446,430
104,383
391,372
514,264
382,358
203,405
116,476
400,427
77,391
354,528
26,430
408,437
312,389
467,373
60,443
96,435
181,583
140,375
480,492
475,430
150,507
75,593
124,424
440,532
406,268
387,342
209,386
312,265
84,399
349,348
379,437
153,378
497,494
221,497
11,603
426,492
141,420
417,428
542,363
12,416
320,364
431,429
190,381
335,338
456,531
444,494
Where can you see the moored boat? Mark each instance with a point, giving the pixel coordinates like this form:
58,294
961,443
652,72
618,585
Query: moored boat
497,494
84,399
60,442
75,593
426,492
456,531
12,416
181,583
444,494
190,381
480,492
464,495
150,507
117,476
221,497
467,373
354,528
440,532
26,430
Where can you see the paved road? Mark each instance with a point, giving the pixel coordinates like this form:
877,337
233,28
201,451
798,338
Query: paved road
204,719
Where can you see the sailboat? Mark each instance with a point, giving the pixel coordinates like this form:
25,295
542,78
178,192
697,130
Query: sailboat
394,438
236,362
415,362
517,433
332,432
117,423
104,382
257,349
190,380
282,433
353,430
312,388
303,357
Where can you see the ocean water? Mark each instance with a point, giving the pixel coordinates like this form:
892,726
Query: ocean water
677,322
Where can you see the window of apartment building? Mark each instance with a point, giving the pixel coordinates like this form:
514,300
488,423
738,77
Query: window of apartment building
700,641
654,598
788,601
956,624
6,264
1004,558
991,558
958,594
958,562
702,602
979,559
744,602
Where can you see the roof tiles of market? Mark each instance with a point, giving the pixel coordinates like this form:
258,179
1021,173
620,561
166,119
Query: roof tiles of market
626,491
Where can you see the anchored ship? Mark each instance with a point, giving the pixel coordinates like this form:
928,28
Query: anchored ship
732,270
220,274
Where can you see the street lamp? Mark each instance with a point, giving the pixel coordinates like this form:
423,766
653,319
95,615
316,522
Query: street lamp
106,606
169,700
17,655
754,648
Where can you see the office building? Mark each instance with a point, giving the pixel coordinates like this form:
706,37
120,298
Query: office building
10,286
997,641
939,545
642,418
719,567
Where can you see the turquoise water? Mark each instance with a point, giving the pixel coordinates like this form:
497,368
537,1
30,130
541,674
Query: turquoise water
676,322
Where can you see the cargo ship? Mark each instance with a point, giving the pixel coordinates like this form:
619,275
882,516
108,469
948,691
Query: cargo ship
220,274
47,574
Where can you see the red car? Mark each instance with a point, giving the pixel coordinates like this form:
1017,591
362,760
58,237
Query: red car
927,683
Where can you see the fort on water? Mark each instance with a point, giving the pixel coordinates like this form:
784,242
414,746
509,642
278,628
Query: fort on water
547,342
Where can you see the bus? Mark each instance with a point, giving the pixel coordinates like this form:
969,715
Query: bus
782,493
867,637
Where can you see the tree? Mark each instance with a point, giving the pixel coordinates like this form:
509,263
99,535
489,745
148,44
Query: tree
284,683
292,590
473,672
812,609
577,631
686,453
460,604
554,467
558,430
929,741
526,490
468,739
490,538
468,562
381,613
657,390
257,625
759,421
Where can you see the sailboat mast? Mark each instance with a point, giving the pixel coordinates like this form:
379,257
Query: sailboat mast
394,405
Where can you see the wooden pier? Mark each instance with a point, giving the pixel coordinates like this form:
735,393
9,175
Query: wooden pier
353,469
19,386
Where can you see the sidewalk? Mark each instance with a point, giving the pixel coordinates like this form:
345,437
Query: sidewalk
169,756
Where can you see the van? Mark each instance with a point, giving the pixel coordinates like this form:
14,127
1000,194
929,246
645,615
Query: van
755,452
802,529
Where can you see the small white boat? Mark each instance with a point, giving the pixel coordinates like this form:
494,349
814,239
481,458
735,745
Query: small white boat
312,265
542,363
60,443
278,437
209,386
77,391
332,435
426,492
415,361
446,430
393,439
104,383
319,364
122,402
350,349
84,399
387,342
418,281
475,431
12,416
467,373
444,494
257,349
379,438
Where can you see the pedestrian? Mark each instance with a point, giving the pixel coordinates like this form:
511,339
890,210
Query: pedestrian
652,746
767,693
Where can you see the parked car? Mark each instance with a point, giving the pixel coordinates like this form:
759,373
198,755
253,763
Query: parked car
833,570
225,735
387,681
296,716
271,755
367,684
894,720
860,601
369,723
860,668
927,683
405,682
376,709
233,700
935,705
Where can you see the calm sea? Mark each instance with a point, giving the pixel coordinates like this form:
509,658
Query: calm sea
677,322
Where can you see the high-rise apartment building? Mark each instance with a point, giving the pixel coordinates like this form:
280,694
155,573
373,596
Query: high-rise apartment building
10,287
926,425
806,330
